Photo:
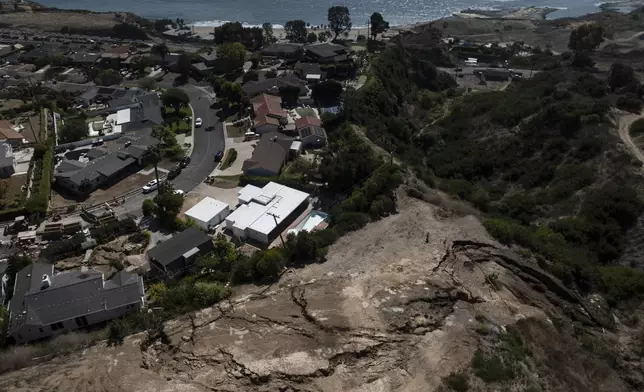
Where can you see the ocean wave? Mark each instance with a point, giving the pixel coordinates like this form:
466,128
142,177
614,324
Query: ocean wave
217,23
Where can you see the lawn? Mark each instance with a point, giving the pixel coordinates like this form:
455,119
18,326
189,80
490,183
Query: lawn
183,112
180,127
233,131
13,196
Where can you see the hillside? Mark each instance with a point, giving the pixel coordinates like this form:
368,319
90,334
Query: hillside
418,301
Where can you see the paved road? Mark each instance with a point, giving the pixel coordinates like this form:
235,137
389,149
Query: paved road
470,70
206,145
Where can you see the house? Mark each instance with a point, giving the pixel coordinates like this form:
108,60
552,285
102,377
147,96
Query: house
311,72
83,59
8,135
283,50
327,52
264,212
7,161
209,58
176,255
45,304
170,61
104,167
273,85
268,113
270,154
202,69
312,136
208,212
115,56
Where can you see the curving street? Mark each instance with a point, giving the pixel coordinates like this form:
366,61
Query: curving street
206,145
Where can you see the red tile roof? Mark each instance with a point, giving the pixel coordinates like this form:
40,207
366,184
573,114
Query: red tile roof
6,133
306,121
268,109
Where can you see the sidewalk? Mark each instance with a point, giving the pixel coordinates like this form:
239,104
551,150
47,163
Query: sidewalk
190,139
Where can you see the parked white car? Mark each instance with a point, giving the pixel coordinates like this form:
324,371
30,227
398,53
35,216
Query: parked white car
150,186
179,192
198,122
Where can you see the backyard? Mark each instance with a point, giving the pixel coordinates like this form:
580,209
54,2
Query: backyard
11,194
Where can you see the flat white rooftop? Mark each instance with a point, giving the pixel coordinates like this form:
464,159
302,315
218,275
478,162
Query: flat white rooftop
206,209
264,206
123,116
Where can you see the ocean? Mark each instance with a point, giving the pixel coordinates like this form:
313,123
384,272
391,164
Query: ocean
277,12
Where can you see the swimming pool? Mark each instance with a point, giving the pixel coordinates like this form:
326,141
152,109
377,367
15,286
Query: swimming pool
310,222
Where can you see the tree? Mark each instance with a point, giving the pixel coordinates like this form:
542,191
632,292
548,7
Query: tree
168,205
140,64
108,77
175,98
267,32
289,95
250,75
231,56
232,92
620,75
73,130
147,83
295,31
184,65
251,37
327,92
339,20
148,207
161,50
311,38
586,37
378,24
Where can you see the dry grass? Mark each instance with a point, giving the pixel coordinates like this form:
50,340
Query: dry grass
14,188
20,356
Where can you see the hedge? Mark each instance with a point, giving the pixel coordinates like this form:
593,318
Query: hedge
39,200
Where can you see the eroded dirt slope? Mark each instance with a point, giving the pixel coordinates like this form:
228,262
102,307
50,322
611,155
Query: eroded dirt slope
393,309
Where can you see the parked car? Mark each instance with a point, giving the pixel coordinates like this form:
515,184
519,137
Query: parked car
128,143
219,155
185,161
174,171
198,122
150,186
179,192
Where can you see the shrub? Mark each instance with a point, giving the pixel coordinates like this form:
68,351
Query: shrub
621,284
231,156
458,382
637,127
629,102
148,207
490,367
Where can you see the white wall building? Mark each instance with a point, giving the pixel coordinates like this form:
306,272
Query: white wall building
262,210
208,212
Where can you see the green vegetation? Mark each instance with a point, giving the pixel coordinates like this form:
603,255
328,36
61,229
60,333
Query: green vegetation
378,24
295,31
165,206
175,98
74,129
503,362
339,20
229,158
457,382
637,127
252,38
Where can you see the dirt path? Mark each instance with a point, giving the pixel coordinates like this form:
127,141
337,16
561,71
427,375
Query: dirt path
625,121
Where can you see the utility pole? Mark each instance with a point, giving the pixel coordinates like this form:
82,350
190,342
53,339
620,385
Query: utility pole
275,218
368,26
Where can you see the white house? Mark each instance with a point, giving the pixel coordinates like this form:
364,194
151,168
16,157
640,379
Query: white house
208,212
263,210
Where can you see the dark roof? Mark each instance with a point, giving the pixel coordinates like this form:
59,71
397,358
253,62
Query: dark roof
70,295
270,153
201,67
312,130
308,68
172,249
114,163
326,50
95,153
84,58
281,48
208,56
253,88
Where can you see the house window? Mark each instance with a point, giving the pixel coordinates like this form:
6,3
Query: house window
81,321
57,326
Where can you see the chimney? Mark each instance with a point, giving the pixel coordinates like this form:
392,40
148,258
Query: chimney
46,282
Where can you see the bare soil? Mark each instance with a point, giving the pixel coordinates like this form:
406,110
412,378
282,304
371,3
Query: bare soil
392,309
54,21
